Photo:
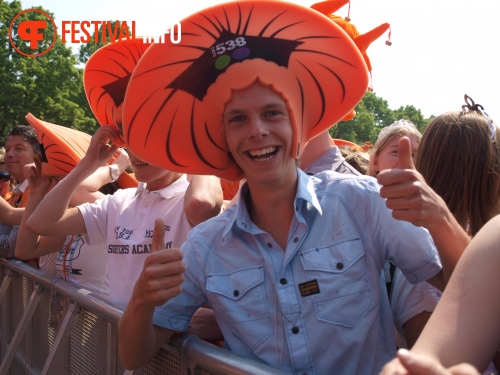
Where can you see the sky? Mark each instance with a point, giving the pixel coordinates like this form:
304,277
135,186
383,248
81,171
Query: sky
441,49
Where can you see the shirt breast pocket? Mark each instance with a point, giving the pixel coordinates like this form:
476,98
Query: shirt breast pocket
340,271
240,299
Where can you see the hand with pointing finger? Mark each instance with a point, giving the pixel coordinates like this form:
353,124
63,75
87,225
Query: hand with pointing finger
162,275
408,195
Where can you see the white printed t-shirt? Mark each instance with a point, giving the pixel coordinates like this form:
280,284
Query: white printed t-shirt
125,220
83,265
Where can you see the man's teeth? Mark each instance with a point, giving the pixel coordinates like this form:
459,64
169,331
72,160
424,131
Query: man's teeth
263,154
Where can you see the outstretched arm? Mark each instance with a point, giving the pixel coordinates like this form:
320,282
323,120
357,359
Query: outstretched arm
203,199
52,217
161,278
465,327
412,200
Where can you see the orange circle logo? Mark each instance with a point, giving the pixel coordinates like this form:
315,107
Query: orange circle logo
31,34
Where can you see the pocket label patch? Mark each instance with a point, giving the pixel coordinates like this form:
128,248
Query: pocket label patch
309,288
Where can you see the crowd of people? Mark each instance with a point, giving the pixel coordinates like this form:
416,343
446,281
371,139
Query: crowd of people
331,257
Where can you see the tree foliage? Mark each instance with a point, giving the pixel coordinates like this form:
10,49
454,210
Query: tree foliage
49,86
372,114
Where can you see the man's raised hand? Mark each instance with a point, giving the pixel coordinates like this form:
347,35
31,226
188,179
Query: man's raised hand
162,275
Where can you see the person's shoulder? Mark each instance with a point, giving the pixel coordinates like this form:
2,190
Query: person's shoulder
349,187
332,179
214,226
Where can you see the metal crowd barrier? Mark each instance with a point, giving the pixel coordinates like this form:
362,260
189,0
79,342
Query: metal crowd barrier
47,326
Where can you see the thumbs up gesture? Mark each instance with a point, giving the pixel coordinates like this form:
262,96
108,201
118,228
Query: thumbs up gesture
404,154
162,274
407,194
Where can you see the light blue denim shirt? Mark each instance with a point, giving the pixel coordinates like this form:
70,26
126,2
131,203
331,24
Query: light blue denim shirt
313,308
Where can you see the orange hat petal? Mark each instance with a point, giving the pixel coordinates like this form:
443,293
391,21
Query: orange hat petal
363,41
176,96
105,79
329,7
62,147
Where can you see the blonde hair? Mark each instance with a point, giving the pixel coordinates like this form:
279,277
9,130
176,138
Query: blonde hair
397,129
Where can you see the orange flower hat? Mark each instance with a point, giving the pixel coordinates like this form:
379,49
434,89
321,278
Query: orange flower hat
175,98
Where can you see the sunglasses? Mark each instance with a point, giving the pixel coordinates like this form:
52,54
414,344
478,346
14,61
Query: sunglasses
4,176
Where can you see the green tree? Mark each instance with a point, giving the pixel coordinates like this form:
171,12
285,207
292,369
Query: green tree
412,114
49,86
372,114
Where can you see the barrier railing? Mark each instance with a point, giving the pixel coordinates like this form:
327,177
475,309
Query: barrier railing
48,326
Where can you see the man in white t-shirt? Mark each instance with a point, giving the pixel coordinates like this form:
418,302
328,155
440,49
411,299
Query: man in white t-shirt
123,222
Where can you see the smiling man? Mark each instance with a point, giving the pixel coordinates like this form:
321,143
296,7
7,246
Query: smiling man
291,270
20,149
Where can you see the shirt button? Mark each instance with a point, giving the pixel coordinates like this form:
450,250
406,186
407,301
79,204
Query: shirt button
269,244
296,239
236,293
244,225
340,265
295,330
283,281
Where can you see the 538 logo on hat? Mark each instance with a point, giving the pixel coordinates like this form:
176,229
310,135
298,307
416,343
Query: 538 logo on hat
32,32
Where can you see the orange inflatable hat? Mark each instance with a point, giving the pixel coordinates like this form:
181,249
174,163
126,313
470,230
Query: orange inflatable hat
105,79
176,95
62,148
362,41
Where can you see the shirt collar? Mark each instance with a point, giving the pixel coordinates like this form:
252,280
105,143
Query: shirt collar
305,194
20,188
177,187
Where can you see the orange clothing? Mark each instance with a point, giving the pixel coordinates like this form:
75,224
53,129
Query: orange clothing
20,199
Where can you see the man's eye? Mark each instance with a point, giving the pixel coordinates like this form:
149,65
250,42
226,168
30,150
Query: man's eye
272,113
235,119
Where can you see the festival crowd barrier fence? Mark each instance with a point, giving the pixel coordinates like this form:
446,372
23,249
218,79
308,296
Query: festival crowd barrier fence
48,326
